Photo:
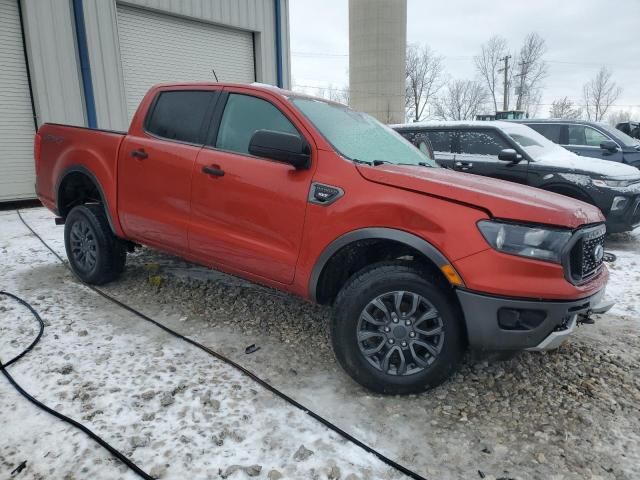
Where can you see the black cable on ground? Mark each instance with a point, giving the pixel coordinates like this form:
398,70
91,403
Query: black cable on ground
120,456
331,426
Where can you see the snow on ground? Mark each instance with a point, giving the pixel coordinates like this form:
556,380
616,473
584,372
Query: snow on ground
624,283
175,411
569,414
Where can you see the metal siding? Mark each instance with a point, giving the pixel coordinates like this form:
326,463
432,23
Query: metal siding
104,45
156,48
106,68
253,15
53,61
17,176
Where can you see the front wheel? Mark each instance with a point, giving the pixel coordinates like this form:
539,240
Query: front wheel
95,254
395,330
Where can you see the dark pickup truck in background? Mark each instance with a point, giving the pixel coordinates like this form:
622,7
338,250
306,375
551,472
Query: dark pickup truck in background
589,139
515,152
630,128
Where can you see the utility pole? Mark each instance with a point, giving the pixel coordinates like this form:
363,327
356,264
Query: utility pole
505,102
521,91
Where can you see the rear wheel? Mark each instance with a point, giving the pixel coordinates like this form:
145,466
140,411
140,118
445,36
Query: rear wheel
95,254
395,330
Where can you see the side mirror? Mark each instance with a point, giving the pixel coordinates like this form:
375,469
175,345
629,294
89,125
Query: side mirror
509,155
284,147
609,145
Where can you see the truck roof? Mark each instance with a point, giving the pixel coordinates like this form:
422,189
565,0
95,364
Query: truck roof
255,85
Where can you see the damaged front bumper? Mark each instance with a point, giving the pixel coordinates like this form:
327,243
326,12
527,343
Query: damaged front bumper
502,323
557,337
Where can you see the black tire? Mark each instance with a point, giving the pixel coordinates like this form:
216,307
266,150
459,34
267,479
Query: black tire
95,254
375,283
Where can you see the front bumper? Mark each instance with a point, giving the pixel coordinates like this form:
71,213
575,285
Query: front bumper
625,219
503,323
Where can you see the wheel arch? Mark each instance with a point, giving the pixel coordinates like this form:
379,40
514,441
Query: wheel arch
403,241
569,190
79,176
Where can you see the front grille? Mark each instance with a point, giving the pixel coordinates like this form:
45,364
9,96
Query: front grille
586,255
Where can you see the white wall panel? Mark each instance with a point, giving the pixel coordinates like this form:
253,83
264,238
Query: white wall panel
255,16
53,60
17,175
156,48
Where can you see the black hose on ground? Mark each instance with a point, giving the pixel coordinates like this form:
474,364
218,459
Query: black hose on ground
331,426
3,368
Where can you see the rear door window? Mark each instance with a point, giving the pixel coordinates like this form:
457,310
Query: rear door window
441,140
243,116
180,115
481,142
551,131
585,136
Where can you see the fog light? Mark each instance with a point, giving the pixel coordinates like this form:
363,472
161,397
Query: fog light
619,203
520,319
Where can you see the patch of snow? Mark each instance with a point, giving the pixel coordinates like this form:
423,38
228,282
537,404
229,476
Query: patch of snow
171,408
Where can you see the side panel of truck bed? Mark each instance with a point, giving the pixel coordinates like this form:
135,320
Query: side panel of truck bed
65,150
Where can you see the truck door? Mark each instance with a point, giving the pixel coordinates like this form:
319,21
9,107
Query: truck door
248,212
478,151
155,167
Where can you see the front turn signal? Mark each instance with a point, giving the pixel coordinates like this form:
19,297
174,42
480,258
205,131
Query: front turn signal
452,275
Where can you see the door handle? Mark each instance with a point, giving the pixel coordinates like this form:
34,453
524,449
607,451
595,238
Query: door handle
213,170
464,165
140,154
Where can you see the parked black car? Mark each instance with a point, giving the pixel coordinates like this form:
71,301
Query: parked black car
589,139
630,128
517,153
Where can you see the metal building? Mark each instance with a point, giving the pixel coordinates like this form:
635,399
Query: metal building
377,52
89,62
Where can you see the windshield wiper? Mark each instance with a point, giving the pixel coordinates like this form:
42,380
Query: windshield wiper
374,163
364,162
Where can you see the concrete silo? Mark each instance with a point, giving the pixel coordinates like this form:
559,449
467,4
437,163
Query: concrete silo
377,51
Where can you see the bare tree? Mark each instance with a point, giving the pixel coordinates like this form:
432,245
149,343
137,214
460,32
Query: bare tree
532,71
599,94
424,72
565,108
461,100
337,94
619,116
489,62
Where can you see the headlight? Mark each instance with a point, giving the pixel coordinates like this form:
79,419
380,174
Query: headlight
525,241
612,183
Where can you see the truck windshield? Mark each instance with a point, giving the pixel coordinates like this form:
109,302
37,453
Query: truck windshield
358,136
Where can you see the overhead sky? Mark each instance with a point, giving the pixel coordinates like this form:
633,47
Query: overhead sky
581,36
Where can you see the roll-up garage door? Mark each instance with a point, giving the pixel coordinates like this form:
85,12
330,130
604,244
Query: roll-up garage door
156,48
17,175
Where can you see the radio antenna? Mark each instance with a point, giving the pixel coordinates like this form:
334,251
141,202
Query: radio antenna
214,75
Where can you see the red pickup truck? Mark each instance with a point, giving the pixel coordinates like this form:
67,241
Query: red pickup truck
310,197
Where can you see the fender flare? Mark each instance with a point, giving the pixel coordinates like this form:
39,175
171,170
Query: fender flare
570,187
84,170
378,233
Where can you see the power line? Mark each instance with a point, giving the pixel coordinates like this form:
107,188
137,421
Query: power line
470,57
346,90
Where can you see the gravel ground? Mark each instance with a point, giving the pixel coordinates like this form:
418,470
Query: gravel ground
569,414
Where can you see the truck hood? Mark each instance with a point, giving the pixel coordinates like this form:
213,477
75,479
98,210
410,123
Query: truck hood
502,199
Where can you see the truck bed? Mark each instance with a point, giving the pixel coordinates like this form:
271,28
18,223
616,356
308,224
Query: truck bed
61,150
